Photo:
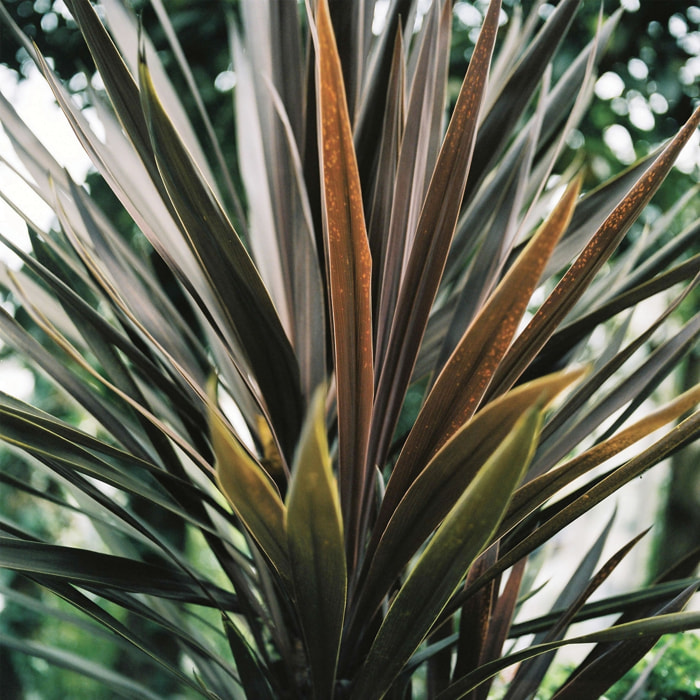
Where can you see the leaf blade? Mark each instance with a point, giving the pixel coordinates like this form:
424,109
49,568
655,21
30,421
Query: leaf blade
463,534
316,549
350,276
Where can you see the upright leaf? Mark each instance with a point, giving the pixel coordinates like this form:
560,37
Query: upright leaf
466,376
350,277
442,566
250,492
434,233
316,549
241,295
444,479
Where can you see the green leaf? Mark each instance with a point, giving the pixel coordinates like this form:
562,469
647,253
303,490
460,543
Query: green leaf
687,431
316,549
652,626
252,675
113,681
466,530
444,479
350,278
250,492
89,569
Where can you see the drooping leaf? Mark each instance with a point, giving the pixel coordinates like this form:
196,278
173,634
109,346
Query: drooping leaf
119,682
88,569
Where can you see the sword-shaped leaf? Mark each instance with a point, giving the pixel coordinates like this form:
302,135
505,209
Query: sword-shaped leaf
434,233
666,623
235,282
316,549
349,273
88,569
466,376
250,492
438,573
594,255
445,478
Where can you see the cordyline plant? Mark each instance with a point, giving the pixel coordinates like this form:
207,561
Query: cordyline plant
358,253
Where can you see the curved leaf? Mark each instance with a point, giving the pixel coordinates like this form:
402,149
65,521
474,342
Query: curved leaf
653,626
86,568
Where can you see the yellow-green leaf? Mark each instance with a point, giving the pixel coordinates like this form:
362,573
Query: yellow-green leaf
466,530
317,550
250,492
448,474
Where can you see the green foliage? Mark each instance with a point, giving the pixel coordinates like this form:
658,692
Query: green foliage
669,670
343,379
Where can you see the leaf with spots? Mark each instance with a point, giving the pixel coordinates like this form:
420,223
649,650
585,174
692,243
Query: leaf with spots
349,272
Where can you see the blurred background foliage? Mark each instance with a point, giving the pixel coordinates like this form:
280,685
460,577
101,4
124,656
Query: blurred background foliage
649,80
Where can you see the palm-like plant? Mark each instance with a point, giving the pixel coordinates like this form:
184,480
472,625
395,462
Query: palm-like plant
357,255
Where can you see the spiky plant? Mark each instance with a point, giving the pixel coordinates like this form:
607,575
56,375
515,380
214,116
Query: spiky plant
350,401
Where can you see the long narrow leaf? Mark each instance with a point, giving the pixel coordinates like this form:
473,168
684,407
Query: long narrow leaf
465,378
350,278
581,273
236,283
443,480
251,493
316,549
442,566
433,236
653,626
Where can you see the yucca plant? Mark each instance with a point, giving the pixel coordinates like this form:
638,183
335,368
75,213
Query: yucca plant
363,392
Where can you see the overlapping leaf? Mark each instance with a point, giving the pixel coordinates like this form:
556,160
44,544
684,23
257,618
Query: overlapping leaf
316,549
349,277
463,534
